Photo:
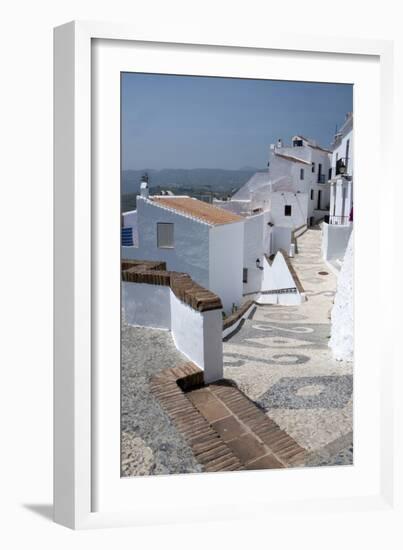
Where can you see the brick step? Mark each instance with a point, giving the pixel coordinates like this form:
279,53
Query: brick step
224,428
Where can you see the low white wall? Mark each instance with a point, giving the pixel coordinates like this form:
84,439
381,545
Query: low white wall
342,334
281,299
213,349
281,238
277,276
198,335
187,326
147,305
334,240
229,330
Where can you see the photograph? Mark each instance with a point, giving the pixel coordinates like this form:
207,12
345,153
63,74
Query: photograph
237,254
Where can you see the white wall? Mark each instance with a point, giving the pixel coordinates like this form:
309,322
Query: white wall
187,330
334,240
277,276
213,348
198,335
291,169
226,263
191,247
253,249
130,218
299,208
147,305
342,333
281,238
341,200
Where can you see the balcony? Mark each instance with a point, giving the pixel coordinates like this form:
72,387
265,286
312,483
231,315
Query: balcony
341,166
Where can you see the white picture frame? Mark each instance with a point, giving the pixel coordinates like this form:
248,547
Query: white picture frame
81,426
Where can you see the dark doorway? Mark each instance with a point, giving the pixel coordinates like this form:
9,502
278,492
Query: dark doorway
319,198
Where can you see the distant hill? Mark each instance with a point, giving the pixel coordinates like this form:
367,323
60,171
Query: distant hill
219,180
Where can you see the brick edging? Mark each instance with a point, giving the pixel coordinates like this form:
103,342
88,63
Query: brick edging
232,319
207,446
181,284
174,388
294,274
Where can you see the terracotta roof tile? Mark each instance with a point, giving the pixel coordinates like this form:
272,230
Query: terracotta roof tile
198,210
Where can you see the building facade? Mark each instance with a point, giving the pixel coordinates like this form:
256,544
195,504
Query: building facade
192,237
337,228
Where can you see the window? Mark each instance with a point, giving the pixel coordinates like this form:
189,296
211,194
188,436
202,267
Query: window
301,174
287,210
127,236
298,143
313,167
165,235
312,194
245,275
321,177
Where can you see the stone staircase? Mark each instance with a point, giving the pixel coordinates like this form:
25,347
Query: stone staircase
224,428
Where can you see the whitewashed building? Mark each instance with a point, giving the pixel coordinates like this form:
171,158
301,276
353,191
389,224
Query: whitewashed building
192,237
224,252
306,166
337,229
300,173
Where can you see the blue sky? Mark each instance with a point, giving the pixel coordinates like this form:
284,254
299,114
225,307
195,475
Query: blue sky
203,122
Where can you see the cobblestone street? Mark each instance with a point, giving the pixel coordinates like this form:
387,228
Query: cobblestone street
280,358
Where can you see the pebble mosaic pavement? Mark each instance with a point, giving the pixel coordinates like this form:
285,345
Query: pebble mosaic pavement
281,360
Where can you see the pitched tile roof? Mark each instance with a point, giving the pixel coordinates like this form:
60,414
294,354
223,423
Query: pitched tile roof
198,210
293,159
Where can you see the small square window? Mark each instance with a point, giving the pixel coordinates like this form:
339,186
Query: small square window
165,235
301,174
287,210
245,275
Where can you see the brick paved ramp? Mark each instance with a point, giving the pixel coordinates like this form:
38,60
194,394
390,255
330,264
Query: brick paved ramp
225,430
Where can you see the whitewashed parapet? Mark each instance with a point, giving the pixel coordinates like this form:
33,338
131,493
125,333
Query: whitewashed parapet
233,322
155,298
281,284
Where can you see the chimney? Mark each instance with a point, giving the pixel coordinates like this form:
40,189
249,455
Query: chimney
144,186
